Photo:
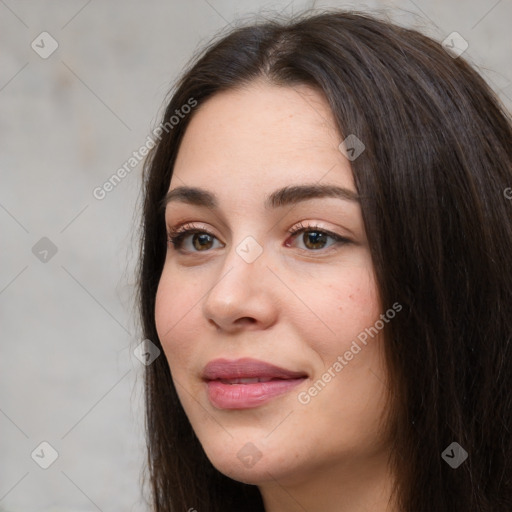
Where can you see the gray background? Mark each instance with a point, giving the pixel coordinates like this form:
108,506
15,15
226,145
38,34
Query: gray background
68,329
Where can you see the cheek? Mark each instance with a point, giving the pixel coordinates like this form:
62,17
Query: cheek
166,309
175,319
342,308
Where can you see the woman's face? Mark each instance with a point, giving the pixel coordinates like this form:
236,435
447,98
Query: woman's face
264,330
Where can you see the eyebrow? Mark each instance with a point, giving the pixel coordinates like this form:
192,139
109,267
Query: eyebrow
282,197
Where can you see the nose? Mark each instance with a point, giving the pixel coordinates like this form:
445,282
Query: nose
242,295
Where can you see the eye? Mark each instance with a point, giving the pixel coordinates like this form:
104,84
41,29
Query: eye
200,239
316,238
189,238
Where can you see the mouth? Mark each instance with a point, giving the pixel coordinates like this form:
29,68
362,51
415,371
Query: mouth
247,383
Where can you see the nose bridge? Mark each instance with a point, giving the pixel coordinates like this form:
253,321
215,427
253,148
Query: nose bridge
241,289
245,262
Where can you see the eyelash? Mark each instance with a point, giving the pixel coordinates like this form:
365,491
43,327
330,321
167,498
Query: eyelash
176,236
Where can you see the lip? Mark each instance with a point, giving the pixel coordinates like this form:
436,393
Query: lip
245,395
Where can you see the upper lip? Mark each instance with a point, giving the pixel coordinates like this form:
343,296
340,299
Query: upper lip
246,368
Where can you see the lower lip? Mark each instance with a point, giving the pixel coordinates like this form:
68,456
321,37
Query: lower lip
246,396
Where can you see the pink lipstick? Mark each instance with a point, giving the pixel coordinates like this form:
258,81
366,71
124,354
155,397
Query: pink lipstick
247,383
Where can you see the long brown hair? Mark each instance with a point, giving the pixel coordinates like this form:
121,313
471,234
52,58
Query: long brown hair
438,159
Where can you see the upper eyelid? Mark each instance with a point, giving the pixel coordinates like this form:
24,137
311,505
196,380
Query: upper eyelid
176,209
297,226
189,228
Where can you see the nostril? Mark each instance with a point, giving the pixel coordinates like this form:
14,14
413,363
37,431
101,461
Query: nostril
245,320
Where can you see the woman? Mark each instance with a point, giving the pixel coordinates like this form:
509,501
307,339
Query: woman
326,267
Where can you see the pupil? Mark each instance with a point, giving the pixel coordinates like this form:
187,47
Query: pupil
317,239
202,239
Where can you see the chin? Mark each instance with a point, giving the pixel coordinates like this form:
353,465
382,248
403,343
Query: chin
247,462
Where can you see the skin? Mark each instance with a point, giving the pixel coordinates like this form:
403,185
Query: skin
295,306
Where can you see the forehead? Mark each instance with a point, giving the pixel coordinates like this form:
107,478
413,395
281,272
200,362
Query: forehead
262,134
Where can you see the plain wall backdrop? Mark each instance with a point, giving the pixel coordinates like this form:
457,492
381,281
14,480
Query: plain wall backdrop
71,116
